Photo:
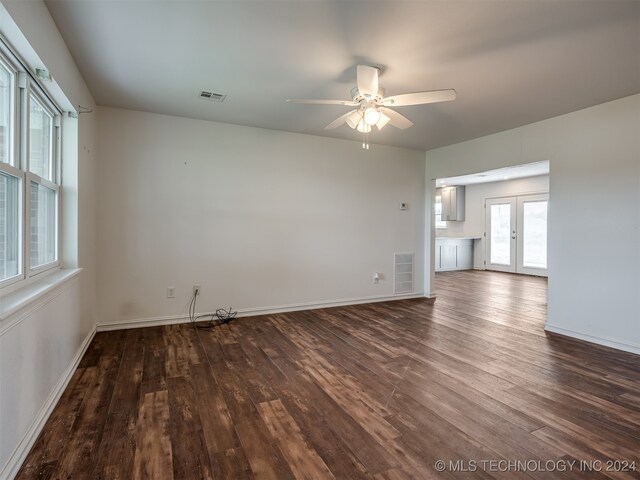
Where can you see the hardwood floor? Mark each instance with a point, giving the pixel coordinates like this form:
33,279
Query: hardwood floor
378,391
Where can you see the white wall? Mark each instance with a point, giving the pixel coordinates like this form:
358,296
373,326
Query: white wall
40,346
475,196
41,343
261,219
594,213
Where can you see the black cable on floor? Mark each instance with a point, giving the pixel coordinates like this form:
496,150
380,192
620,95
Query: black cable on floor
223,316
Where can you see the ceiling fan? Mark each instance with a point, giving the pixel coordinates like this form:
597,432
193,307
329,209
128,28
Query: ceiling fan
372,107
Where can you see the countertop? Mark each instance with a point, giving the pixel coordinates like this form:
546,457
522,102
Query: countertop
458,238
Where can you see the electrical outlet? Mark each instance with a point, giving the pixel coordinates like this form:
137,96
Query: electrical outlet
171,292
196,289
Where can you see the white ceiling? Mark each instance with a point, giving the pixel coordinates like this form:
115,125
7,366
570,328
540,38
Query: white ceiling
508,173
511,62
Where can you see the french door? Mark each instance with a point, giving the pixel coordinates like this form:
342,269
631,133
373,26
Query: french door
516,234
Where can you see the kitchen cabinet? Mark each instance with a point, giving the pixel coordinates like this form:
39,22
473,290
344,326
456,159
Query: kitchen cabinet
452,199
448,256
454,253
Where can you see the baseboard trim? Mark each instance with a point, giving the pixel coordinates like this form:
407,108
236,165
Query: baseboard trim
18,456
591,339
250,312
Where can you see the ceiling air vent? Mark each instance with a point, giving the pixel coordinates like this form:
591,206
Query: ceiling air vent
213,97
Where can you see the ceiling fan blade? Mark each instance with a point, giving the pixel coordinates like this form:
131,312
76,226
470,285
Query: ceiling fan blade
396,119
340,120
347,103
419,98
367,78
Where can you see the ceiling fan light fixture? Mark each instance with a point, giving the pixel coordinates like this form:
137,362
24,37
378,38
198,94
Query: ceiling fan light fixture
353,119
363,127
382,121
372,105
371,116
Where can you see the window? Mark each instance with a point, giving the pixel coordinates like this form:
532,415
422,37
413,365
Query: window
29,178
501,234
40,139
9,226
439,222
42,235
43,191
6,111
534,235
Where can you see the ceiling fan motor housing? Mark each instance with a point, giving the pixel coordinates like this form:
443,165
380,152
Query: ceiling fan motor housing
357,97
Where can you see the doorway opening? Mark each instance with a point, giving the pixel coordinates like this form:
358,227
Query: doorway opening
488,226
493,220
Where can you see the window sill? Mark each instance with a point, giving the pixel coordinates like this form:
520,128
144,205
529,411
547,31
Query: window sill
23,297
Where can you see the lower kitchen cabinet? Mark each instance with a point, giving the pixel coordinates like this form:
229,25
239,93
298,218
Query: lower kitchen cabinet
454,254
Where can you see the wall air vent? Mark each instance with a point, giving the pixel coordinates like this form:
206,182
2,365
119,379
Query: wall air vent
403,273
212,97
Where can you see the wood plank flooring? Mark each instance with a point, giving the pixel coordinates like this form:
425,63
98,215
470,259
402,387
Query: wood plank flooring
377,391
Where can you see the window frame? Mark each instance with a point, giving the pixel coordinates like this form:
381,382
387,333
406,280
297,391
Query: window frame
439,224
20,276
34,90
13,168
24,87
50,109
33,178
14,141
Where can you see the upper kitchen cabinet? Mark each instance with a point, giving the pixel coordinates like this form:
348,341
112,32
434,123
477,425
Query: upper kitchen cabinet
452,199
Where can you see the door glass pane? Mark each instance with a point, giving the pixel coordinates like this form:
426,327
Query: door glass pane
40,139
501,234
42,238
534,249
6,83
9,226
